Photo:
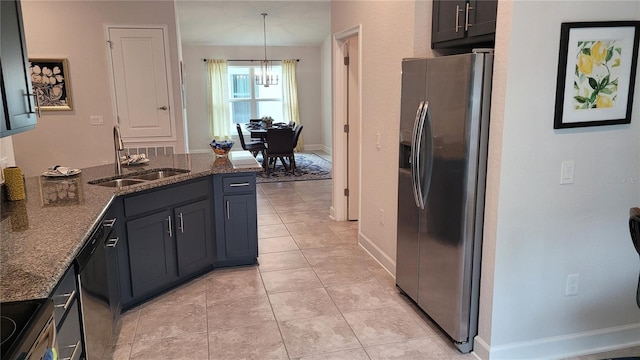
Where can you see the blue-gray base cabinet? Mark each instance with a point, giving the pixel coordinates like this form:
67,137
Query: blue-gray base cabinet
168,238
173,233
236,219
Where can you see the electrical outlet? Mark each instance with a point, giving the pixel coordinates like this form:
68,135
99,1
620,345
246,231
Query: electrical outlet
573,282
378,141
381,216
96,120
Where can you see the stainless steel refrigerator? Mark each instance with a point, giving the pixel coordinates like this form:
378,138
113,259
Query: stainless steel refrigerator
443,150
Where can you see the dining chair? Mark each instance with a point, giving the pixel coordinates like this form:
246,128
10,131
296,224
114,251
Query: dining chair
296,135
254,147
279,145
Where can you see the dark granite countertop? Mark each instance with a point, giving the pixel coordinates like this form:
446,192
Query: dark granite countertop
41,235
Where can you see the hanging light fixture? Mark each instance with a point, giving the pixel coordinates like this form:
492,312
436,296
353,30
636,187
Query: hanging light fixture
266,76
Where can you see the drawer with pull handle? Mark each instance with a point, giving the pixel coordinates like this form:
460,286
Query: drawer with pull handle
68,338
238,184
64,295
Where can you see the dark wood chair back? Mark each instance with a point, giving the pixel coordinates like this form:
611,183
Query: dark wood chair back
296,135
279,141
241,136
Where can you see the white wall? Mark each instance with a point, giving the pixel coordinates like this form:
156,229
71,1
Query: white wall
327,126
537,231
309,88
75,30
387,36
391,31
6,155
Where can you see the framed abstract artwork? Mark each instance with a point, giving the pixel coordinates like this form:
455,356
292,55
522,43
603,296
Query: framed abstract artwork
51,84
596,73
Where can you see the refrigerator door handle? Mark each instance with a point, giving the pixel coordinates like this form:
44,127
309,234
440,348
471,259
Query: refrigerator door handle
424,191
418,155
414,159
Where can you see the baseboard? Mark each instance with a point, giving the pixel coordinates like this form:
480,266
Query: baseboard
332,213
387,262
326,149
312,147
565,346
481,349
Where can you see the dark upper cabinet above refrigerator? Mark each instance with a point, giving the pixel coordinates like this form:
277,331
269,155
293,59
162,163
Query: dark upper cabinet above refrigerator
459,24
18,102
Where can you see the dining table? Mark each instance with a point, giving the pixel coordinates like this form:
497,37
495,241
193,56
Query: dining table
259,130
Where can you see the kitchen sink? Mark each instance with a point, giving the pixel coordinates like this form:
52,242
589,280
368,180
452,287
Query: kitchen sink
138,178
159,174
116,182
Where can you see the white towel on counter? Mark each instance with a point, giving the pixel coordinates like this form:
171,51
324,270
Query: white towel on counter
132,159
64,170
58,170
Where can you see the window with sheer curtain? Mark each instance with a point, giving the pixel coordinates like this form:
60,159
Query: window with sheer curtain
250,101
235,98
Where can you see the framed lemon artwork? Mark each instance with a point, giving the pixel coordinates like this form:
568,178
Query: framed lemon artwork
596,73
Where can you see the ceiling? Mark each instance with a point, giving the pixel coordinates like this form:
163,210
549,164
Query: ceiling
239,23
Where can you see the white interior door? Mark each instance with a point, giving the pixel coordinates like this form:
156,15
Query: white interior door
140,77
353,136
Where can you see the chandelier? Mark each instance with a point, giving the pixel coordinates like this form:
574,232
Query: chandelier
266,76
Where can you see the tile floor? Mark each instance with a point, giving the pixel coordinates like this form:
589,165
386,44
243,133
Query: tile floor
314,295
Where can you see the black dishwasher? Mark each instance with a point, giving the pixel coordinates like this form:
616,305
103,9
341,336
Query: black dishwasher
97,265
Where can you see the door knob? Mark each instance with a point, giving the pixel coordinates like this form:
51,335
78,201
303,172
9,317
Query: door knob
163,107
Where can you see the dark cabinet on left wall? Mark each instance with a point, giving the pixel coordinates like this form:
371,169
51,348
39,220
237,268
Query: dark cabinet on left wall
18,101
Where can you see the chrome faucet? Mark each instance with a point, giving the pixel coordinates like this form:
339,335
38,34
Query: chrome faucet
118,146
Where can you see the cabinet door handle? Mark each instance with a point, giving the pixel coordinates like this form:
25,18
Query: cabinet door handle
467,25
112,242
37,111
109,222
239,184
228,215
181,223
70,296
75,349
169,219
458,11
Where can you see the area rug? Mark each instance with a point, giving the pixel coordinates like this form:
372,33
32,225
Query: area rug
308,167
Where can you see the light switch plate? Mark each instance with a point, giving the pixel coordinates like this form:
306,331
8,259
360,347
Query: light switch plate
566,174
